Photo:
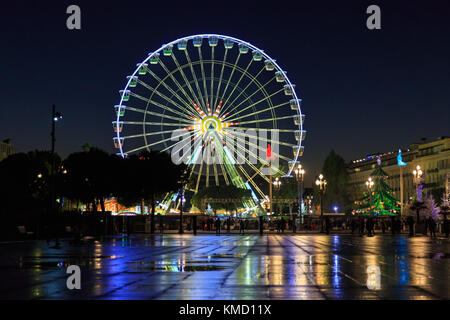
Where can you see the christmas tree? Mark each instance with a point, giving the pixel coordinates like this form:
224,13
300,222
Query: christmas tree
379,201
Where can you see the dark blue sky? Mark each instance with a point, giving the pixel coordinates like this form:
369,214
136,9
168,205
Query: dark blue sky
363,91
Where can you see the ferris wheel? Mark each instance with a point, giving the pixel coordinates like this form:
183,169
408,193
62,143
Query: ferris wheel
221,100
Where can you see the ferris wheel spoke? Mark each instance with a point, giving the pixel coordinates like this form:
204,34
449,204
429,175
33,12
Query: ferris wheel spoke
271,119
231,75
199,176
221,75
189,99
259,111
154,143
264,129
174,144
266,96
244,172
162,82
219,146
205,90
248,162
173,102
150,123
216,175
196,99
194,76
146,134
243,73
187,122
212,77
253,79
261,149
224,173
267,140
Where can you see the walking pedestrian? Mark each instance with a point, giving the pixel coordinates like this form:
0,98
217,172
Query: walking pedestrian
217,225
383,226
353,225
410,222
327,225
432,226
446,226
241,226
361,226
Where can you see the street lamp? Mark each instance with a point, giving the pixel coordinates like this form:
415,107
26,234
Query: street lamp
277,184
417,173
182,200
321,182
56,116
369,185
299,174
418,179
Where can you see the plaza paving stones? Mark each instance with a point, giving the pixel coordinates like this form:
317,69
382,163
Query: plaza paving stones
230,267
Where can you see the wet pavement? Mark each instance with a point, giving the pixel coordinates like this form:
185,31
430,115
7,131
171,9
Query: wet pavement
231,267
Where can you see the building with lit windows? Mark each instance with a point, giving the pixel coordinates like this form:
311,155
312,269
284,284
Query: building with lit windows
6,149
433,157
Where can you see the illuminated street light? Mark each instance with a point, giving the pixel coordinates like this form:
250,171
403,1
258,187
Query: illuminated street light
418,179
321,182
299,174
56,116
417,175
277,183
369,185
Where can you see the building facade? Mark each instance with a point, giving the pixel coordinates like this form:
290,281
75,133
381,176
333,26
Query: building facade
6,149
433,157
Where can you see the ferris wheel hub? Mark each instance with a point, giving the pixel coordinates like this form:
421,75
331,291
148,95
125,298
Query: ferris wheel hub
211,123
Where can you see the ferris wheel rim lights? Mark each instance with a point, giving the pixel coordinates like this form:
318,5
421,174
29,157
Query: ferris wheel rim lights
227,40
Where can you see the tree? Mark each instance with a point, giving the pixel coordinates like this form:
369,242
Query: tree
432,209
25,180
288,191
335,173
381,202
89,176
145,176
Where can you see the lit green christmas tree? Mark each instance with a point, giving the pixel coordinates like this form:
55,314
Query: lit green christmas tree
381,202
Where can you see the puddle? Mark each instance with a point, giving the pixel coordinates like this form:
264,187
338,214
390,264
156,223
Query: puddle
179,268
435,256
55,262
212,262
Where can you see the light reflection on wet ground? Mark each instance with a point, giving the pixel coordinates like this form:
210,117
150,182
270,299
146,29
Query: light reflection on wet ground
230,267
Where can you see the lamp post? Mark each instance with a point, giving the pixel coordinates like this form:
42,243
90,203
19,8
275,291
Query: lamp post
417,176
299,173
56,116
181,210
321,182
369,185
277,184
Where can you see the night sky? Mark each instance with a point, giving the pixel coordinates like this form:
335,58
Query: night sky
363,91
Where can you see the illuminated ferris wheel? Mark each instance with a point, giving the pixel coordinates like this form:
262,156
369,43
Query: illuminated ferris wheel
218,102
